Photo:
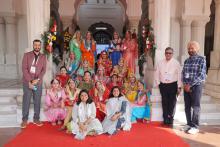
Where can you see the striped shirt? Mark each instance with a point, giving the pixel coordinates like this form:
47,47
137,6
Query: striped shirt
194,70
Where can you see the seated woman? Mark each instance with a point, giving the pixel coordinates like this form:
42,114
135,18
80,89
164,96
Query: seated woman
83,117
100,95
113,82
105,62
118,113
131,87
72,65
87,82
100,76
72,93
84,67
54,102
141,108
63,76
122,68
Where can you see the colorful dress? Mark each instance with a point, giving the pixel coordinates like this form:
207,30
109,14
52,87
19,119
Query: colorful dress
88,50
80,114
113,106
130,90
102,79
71,98
106,63
85,85
100,102
72,67
130,53
141,108
116,53
75,47
53,105
63,79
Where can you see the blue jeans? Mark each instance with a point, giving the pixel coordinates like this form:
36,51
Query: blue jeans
192,100
27,101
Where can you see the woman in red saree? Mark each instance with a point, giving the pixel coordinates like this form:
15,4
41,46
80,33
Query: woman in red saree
130,52
105,62
88,48
100,95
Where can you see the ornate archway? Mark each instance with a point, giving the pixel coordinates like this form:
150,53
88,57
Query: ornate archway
121,3
102,32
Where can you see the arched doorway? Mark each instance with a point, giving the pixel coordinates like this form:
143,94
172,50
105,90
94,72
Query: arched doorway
89,12
102,32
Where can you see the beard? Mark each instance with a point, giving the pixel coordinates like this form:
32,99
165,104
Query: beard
37,50
191,53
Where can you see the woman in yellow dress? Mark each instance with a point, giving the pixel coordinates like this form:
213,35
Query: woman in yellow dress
131,87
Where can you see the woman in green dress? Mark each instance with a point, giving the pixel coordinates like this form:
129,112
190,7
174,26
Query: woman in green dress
75,45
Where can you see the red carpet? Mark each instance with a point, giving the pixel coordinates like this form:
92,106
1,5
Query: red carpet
141,135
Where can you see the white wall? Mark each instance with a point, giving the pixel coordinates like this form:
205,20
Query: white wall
6,7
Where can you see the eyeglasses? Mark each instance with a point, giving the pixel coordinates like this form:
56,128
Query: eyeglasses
168,53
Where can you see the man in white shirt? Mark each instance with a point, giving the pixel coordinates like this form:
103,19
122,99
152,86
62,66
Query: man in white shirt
168,78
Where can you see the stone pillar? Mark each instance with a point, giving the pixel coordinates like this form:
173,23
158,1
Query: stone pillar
2,40
198,33
38,16
185,37
11,40
217,26
133,23
212,86
162,26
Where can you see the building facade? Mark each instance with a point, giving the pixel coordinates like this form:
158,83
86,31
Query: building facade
175,23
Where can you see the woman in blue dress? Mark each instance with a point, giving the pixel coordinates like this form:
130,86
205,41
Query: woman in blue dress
115,49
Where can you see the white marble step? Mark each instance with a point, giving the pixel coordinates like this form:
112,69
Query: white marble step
203,115
8,106
10,92
7,99
6,116
31,114
204,106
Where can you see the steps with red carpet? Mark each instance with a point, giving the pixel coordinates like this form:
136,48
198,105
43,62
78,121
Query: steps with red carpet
141,135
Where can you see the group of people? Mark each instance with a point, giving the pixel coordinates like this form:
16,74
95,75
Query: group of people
91,96
170,79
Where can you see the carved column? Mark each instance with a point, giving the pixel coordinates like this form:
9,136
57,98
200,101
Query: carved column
162,26
11,40
198,33
212,86
2,40
185,37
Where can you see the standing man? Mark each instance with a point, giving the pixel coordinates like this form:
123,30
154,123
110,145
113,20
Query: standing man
168,77
193,75
33,68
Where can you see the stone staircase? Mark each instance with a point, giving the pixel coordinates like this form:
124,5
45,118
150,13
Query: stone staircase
210,110
11,109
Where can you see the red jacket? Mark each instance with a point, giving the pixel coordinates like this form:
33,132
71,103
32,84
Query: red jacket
40,67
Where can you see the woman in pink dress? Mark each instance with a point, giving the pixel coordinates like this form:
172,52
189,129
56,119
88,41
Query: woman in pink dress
130,52
54,102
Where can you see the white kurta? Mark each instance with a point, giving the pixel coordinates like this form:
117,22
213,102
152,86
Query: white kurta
81,113
112,106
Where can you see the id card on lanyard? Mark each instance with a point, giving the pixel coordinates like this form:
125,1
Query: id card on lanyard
33,66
